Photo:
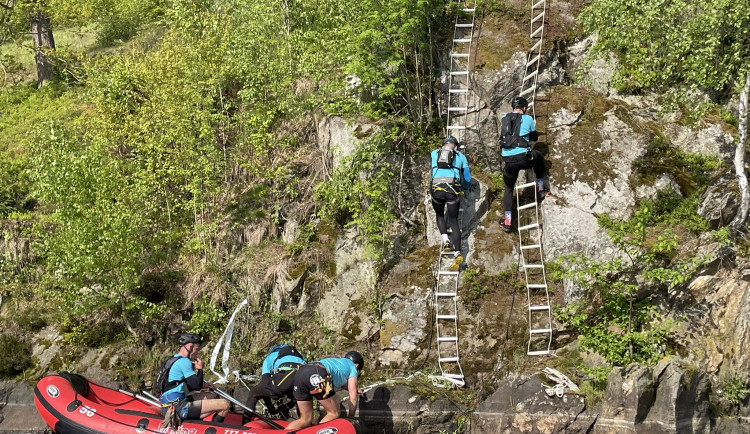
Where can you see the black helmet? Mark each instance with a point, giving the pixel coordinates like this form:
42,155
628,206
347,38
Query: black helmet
519,102
356,358
189,338
450,140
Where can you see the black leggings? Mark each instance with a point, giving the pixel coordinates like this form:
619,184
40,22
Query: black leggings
272,387
513,165
444,196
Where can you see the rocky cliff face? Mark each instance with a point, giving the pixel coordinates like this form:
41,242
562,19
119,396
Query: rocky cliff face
593,139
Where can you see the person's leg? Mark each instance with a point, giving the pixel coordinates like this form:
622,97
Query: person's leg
305,409
261,390
452,217
331,407
539,172
510,176
438,204
219,406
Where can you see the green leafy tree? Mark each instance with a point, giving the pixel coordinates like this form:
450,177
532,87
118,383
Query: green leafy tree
682,43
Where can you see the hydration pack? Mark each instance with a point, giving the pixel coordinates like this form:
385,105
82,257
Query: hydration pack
510,127
284,350
161,384
445,157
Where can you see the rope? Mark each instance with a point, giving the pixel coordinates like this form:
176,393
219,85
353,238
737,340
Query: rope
562,381
436,380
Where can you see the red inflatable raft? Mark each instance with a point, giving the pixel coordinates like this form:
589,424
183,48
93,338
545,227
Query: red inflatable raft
72,404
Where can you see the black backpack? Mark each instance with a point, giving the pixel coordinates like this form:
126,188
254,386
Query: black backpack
445,157
510,127
161,384
287,350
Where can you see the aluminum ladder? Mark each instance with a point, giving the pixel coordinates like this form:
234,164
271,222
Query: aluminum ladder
458,80
534,55
532,262
446,320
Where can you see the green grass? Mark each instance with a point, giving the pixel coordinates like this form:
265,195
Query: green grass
18,57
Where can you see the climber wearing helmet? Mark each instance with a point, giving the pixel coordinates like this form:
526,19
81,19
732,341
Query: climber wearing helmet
450,177
320,380
182,374
517,131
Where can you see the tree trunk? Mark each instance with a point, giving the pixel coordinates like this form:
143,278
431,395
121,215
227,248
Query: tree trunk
41,33
739,160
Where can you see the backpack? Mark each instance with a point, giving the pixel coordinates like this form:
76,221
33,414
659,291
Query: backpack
161,384
445,157
510,127
283,351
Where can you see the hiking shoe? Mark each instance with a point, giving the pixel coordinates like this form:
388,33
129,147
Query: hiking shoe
506,228
447,247
456,262
541,194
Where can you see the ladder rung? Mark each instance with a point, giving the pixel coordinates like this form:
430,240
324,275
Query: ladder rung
462,41
536,46
530,76
527,185
457,109
528,205
451,317
533,60
469,10
529,227
539,30
531,246
456,127
459,54
539,331
533,266
454,376
448,339
539,307
458,90
448,253
528,91
445,294
536,5
459,72
447,359
447,273
537,285
464,26
536,18
537,353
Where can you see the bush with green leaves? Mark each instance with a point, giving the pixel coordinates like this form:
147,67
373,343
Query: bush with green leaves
618,320
357,192
15,355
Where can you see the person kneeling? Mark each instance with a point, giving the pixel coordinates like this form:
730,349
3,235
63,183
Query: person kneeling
319,380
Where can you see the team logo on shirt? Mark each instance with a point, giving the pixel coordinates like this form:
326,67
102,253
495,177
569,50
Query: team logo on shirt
315,380
327,431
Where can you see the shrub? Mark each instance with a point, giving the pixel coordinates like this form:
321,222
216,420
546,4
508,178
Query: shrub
15,355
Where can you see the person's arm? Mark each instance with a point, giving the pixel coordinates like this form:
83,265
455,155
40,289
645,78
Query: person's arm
195,381
353,396
533,135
